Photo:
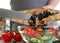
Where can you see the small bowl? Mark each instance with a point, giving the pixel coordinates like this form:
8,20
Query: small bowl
54,23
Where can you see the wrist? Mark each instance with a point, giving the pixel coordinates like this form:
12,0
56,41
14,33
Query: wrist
49,6
52,6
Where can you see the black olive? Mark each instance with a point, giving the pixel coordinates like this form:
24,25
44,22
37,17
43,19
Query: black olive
42,22
43,27
49,13
31,22
34,15
55,13
40,16
46,13
33,19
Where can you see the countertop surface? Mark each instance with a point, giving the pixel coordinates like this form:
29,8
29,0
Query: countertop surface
12,42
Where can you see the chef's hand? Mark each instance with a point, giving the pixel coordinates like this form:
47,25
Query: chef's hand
48,7
38,10
52,4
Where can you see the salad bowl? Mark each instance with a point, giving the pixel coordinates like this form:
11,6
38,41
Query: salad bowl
46,37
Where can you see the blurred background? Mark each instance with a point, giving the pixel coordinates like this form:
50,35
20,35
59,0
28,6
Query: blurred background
5,4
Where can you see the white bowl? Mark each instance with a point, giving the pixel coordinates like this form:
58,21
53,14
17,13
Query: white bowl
24,38
54,23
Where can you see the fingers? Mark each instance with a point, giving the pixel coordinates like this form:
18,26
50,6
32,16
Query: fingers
48,7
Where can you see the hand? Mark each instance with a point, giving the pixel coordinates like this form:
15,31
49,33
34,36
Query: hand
38,10
48,7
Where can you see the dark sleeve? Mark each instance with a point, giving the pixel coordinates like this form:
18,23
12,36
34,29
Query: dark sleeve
27,4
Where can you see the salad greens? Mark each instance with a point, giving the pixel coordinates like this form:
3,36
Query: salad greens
44,38
33,36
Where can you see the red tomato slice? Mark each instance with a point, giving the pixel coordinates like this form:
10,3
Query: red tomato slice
31,35
32,31
55,33
37,35
52,29
26,32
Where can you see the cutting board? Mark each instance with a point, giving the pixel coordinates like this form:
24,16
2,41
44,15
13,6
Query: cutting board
27,14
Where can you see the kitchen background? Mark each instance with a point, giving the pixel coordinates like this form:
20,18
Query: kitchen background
5,4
